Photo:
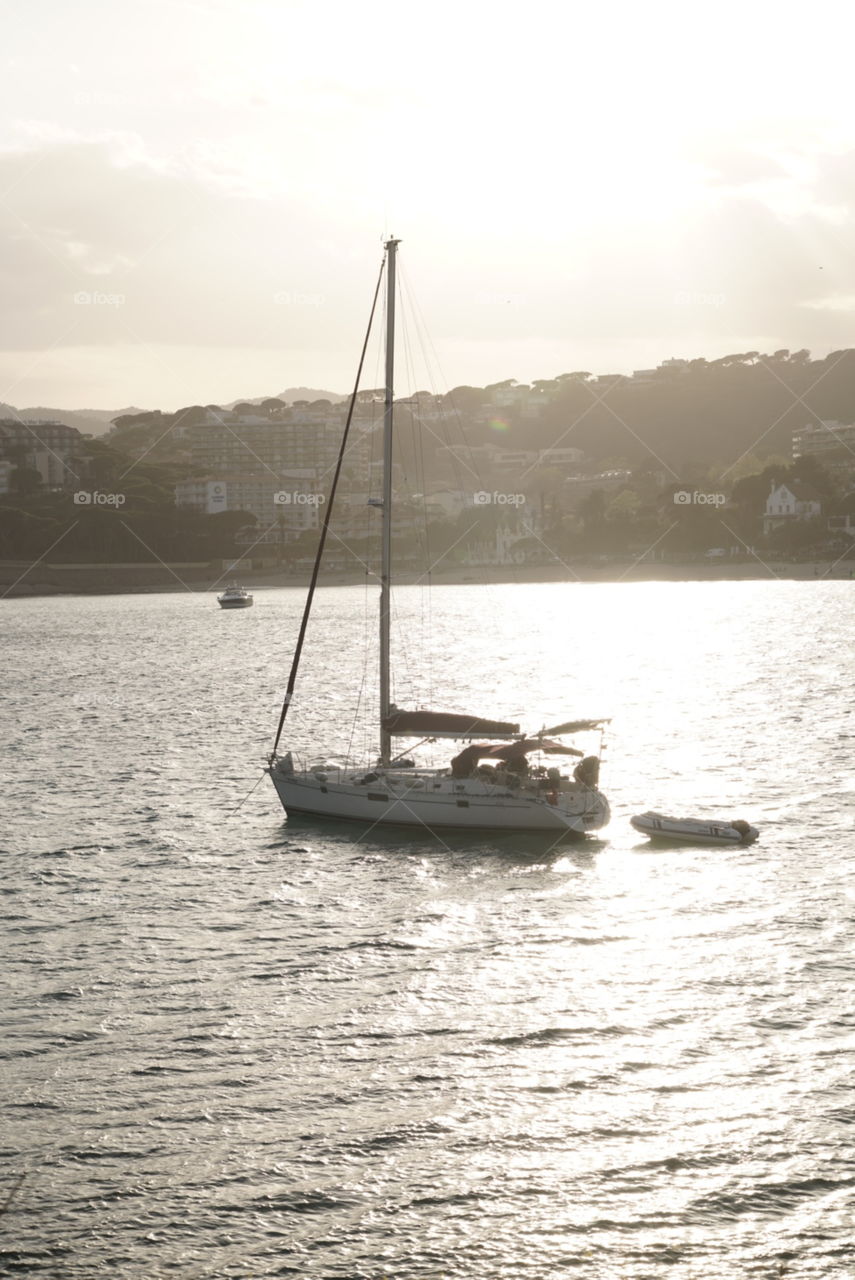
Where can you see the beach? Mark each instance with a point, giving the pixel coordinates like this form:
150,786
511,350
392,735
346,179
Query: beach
20,578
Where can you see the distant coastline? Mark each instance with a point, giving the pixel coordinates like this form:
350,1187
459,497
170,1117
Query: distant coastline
18,581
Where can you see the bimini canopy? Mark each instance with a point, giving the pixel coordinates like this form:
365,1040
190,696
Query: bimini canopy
441,724
463,764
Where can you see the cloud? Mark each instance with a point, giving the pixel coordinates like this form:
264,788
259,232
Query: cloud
143,263
192,259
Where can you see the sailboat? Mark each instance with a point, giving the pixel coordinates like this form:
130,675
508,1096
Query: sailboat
502,780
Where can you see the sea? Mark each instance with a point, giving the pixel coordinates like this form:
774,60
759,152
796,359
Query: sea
236,1046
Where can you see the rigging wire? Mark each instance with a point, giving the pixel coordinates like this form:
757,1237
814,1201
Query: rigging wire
420,484
456,417
328,509
233,811
369,533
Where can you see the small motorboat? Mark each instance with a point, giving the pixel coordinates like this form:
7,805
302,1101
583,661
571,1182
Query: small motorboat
235,597
694,830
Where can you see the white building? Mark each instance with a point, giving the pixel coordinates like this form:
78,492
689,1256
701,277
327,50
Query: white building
786,503
823,437
831,443
231,444
447,503
289,502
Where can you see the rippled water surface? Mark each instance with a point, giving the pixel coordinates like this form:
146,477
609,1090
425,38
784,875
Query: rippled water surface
239,1047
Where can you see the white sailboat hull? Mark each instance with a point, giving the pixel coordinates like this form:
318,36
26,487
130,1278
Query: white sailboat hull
434,801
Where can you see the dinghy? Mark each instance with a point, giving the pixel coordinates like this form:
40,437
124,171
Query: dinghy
694,830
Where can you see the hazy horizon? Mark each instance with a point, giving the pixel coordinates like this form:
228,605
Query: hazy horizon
193,196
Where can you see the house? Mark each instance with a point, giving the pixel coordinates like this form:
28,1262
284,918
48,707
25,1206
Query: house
787,503
513,541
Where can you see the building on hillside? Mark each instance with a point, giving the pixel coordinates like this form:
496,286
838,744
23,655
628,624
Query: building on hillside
447,503
831,443
824,438
51,448
575,489
561,457
252,444
504,395
424,406
787,503
490,460
289,501
516,539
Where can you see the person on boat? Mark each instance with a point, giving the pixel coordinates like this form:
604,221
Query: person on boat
587,771
465,764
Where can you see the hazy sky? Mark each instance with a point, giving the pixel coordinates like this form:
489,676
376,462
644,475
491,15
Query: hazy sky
578,186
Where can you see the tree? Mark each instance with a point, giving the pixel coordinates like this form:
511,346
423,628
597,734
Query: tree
194,415
26,481
592,509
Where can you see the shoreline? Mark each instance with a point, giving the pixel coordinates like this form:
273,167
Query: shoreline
20,581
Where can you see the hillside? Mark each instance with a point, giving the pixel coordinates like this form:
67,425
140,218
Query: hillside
683,413
91,422
290,396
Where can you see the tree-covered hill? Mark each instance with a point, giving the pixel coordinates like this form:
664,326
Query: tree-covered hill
710,412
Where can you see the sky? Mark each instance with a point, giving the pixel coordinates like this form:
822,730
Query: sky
194,194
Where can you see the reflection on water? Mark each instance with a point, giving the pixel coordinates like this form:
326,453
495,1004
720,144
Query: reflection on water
241,1047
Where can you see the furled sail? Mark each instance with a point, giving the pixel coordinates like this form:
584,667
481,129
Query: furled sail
442,724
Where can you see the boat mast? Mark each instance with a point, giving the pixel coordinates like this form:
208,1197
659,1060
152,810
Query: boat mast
391,247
